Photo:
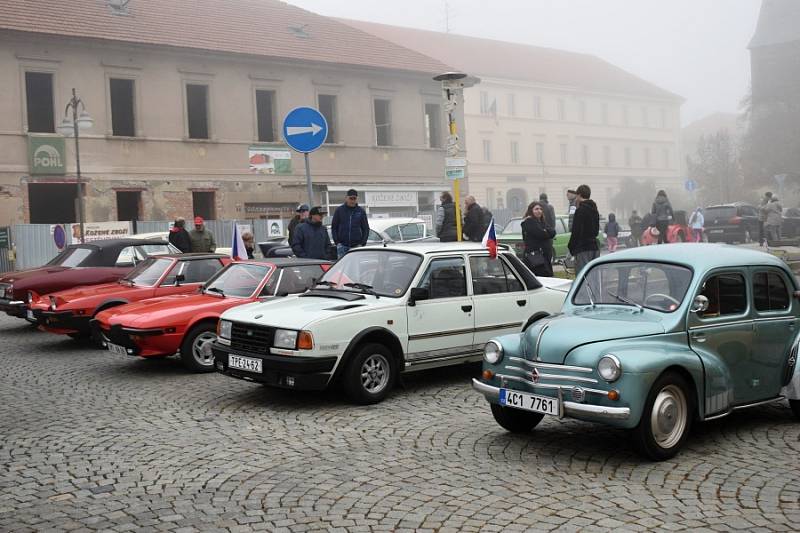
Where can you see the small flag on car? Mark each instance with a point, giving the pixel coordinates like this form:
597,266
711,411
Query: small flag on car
238,252
490,240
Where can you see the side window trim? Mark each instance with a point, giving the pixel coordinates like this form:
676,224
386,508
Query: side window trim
464,265
786,284
739,317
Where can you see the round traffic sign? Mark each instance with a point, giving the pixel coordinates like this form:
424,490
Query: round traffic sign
690,185
59,236
305,129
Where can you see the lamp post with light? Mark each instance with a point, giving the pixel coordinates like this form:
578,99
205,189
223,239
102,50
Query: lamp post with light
70,127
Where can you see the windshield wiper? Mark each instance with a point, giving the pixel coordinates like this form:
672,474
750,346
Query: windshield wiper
626,300
367,289
217,290
589,290
326,283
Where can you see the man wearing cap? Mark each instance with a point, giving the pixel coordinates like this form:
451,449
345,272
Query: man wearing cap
299,218
311,237
350,227
202,239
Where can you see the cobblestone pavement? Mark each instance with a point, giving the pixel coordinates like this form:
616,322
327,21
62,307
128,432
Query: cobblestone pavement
96,441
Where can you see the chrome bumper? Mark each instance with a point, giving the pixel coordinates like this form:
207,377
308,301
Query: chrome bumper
574,409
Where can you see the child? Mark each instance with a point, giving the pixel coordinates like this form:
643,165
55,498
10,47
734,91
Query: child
612,232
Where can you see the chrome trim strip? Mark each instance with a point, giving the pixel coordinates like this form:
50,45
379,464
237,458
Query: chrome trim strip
530,383
555,376
539,340
499,326
744,406
440,334
775,319
442,358
552,366
722,324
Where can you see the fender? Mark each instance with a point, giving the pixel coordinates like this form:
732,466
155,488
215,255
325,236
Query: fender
348,352
201,318
535,318
108,304
791,388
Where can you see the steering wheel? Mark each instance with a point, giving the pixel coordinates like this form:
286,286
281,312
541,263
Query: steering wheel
665,296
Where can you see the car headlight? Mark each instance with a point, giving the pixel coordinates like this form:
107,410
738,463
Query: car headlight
493,352
285,338
52,303
609,368
225,329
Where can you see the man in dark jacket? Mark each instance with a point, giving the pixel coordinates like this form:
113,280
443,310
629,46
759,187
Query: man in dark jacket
585,228
549,211
311,237
474,225
179,237
350,227
300,217
446,219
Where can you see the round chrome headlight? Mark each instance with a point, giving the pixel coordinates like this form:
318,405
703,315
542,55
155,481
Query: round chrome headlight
492,352
609,368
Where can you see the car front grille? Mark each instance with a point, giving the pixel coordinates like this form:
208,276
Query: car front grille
250,338
575,382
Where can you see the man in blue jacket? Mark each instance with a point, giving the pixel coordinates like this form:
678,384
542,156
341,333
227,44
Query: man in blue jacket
350,227
310,238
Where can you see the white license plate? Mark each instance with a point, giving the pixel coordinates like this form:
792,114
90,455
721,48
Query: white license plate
245,363
716,230
529,402
117,349
29,314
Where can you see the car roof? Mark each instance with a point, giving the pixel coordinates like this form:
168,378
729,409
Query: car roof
381,224
732,204
431,247
196,255
700,256
285,261
115,243
151,235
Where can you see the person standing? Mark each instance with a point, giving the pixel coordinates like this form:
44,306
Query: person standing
612,232
179,237
773,220
249,244
538,238
549,211
662,210
446,218
585,228
301,215
572,198
696,223
311,237
202,239
635,223
762,217
350,227
474,225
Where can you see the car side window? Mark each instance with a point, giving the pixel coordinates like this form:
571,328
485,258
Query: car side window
492,276
411,231
201,270
770,292
394,233
126,257
445,278
727,295
374,237
297,279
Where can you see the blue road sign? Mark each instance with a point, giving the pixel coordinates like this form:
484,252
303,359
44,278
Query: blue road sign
305,129
690,185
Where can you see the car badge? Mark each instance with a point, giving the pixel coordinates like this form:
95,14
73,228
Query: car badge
535,375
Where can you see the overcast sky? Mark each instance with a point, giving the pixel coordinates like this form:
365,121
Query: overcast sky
695,48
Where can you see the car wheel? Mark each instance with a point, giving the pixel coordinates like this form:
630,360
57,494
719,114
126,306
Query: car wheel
666,419
369,374
795,405
515,420
196,353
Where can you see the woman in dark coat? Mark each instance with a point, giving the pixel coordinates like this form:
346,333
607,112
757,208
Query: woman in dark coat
538,237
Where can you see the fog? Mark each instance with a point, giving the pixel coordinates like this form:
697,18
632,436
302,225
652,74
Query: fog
695,48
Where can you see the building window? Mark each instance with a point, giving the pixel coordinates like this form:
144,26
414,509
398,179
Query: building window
540,153
383,122
433,126
129,205
487,150
585,154
564,154
537,106
122,117
512,105
582,111
604,111
39,100
562,109
627,156
265,115
607,156
663,118
203,204
647,157
484,103
327,106
197,110
666,158
514,152
645,118
625,116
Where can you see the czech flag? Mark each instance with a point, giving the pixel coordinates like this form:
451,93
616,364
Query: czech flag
490,240
238,253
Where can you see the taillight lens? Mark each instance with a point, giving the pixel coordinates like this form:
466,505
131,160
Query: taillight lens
735,220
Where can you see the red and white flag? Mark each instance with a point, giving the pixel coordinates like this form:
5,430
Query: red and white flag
238,252
490,240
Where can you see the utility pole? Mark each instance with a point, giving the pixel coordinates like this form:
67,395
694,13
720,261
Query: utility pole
446,16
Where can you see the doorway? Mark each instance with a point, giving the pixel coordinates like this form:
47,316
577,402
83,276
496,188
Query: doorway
52,203
203,204
129,205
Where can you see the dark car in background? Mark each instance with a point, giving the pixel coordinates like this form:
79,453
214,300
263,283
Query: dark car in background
730,223
790,227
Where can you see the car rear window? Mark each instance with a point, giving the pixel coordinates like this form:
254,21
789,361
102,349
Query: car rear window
720,212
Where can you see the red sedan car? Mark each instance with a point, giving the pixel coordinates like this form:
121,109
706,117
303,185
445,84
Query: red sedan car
187,324
69,311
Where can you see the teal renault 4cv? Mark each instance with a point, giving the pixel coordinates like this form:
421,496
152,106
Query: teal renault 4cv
651,340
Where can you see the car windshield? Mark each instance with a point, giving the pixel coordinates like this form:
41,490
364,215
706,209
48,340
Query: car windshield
148,272
720,212
71,257
514,226
656,286
386,272
239,280
158,249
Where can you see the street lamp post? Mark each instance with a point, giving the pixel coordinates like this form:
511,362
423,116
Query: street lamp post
70,127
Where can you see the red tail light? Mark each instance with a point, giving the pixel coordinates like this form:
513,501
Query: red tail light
735,220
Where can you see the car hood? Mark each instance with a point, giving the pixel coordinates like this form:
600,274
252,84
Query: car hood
560,334
97,291
11,277
167,310
297,312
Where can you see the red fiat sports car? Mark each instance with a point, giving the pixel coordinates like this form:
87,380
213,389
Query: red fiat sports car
69,311
187,324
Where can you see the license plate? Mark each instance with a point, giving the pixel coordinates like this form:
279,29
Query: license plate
716,230
117,349
529,402
29,314
245,363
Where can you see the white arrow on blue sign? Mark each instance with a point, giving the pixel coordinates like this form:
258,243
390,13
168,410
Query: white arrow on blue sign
690,185
305,129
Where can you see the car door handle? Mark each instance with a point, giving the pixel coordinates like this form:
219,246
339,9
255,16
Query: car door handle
522,303
466,308
699,337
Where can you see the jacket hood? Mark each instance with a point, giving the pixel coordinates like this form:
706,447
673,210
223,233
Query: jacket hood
661,200
588,204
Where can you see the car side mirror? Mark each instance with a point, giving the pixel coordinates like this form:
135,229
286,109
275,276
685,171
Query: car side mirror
418,294
180,278
699,304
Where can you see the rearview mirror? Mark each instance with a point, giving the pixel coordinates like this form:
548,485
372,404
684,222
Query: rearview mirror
699,304
179,279
417,294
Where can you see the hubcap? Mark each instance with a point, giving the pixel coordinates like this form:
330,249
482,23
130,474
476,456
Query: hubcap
201,348
375,373
669,416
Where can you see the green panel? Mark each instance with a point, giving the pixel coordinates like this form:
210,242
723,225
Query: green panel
46,155
5,237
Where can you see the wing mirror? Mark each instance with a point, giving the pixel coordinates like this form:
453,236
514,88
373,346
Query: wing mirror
418,294
180,278
699,304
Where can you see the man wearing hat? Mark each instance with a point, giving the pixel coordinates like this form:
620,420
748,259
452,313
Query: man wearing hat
311,237
202,239
300,217
350,227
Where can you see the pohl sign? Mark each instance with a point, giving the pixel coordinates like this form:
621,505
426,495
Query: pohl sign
46,155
